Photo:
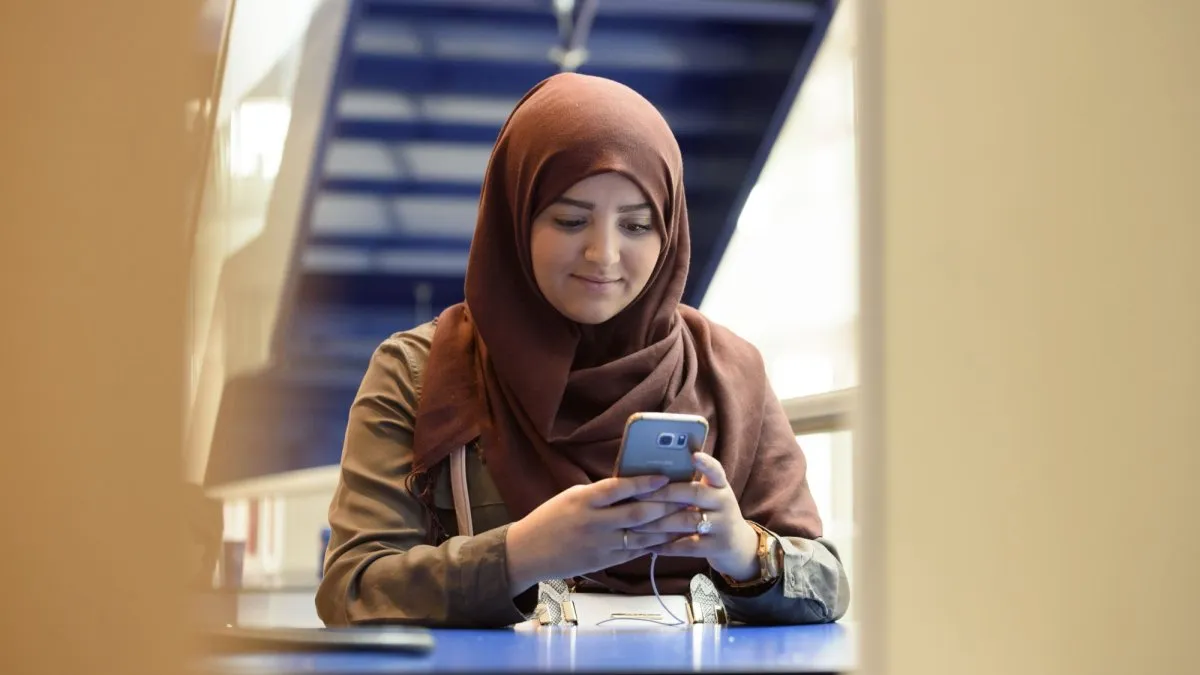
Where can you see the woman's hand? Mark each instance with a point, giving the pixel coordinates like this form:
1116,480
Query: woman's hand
583,529
731,546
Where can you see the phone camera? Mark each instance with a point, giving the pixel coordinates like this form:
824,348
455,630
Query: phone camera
672,440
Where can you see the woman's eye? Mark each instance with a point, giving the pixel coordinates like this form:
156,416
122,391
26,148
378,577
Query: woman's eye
570,223
638,228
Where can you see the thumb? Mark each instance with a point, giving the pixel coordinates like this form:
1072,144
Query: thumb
711,471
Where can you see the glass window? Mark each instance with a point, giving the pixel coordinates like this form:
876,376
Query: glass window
789,279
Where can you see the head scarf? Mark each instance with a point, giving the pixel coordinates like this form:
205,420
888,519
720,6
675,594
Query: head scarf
547,397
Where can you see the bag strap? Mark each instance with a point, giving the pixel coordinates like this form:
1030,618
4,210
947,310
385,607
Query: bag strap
458,487
458,460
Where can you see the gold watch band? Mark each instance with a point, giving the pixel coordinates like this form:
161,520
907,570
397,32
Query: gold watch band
770,563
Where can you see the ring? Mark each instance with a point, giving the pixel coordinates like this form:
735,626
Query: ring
625,539
705,525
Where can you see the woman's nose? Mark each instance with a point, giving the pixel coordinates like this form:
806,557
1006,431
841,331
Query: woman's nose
603,245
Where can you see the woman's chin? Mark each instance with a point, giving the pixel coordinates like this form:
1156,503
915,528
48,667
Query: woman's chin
591,313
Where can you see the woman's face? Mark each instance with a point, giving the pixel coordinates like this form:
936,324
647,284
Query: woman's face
595,248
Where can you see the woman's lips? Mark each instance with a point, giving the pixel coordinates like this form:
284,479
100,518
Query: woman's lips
596,283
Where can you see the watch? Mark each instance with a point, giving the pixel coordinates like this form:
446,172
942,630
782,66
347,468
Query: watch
770,562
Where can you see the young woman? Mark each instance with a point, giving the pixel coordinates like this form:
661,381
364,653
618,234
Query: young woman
572,322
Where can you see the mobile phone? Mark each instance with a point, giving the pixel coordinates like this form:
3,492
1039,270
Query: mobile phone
248,639
661,444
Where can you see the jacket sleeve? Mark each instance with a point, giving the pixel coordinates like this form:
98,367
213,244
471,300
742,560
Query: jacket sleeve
812,587
378,568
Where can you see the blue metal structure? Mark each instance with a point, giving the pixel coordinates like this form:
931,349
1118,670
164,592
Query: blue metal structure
422,89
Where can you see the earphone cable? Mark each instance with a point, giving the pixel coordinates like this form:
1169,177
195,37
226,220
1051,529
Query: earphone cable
654,585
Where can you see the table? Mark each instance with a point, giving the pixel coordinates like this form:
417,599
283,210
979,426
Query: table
822,648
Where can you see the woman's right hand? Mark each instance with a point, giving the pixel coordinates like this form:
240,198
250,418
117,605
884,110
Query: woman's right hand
583,529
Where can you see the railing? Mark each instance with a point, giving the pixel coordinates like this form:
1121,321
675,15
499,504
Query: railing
820,413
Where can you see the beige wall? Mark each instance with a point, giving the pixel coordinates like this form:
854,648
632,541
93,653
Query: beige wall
1040,391
92,271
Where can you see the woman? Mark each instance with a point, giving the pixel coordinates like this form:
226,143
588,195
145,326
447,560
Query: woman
572,323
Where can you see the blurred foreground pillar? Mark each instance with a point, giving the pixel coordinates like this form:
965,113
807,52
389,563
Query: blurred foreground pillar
1032,336
92,274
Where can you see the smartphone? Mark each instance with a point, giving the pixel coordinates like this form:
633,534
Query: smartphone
249,639
661,444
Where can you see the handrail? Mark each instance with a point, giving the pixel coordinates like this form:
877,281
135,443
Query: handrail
821,413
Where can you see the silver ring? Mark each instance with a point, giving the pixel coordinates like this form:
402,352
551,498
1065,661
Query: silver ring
705,525
625,539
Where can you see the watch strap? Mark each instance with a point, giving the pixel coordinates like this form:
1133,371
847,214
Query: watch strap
770,563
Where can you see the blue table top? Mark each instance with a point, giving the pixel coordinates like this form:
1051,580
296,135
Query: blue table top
823,648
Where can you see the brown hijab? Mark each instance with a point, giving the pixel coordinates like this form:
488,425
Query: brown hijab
547,397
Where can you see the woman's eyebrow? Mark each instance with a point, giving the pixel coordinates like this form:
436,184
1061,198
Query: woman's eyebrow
590,206
575,202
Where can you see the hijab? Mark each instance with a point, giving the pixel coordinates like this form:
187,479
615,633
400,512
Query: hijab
546,397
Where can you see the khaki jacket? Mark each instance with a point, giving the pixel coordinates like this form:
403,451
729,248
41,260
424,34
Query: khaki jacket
378,567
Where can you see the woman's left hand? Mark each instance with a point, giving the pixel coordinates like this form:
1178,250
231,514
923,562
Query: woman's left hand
730,546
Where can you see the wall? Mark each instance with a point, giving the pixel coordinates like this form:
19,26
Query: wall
1032,227
92,293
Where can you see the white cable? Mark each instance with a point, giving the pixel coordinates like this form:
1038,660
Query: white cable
653,560
657,596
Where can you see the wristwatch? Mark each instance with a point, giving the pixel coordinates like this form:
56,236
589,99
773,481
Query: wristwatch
770,563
